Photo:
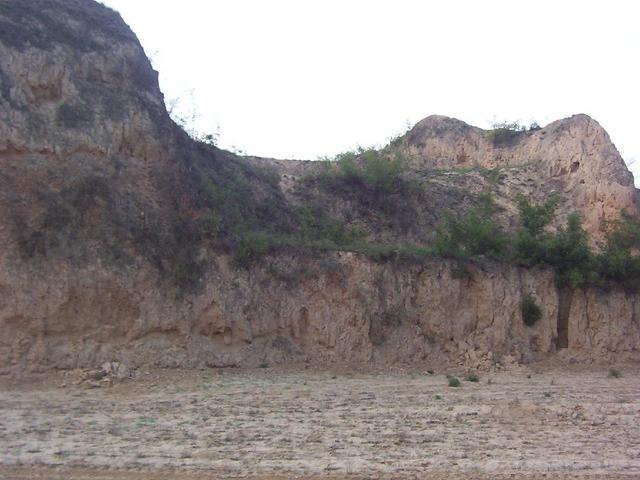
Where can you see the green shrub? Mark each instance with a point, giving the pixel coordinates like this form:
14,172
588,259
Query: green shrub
383,175
230,212
315,225
472,377
530,242
393,252
253,245
366,172
315,230
531,312
615,373
475,233
569,253
535,218
617,261
227,203
619,266
145,422
528,250
505,133
453,381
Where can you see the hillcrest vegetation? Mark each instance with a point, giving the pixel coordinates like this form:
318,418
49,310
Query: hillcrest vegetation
235,220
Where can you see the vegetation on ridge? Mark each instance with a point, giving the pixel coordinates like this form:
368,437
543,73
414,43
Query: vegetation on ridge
504,134
474,233
223,204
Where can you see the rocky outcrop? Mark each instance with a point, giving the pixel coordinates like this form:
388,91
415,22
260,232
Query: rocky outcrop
573,158
103,257
76,81
82,124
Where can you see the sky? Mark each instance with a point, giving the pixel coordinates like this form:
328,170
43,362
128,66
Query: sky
305,79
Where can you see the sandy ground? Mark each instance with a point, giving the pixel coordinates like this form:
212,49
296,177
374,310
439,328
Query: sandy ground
262,424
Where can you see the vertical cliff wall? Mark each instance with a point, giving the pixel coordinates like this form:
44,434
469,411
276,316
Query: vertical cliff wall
103,253
341,309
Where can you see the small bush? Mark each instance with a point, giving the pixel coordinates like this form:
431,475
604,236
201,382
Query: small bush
535,218
505,134
567,252
475,233
570,255
453,381
227,202
531,312
392,252
145,422
618,260
315,225
531,242
472,377
383,175
614,373
374,179
529,251
253,245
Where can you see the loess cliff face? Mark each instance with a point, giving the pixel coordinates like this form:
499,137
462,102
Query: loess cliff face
115,243
573,158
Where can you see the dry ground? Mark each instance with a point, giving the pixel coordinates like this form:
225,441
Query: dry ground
562,423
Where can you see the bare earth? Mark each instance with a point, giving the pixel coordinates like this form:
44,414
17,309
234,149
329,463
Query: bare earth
562,423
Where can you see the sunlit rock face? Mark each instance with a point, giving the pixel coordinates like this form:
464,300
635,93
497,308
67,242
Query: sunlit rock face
101,258
573,158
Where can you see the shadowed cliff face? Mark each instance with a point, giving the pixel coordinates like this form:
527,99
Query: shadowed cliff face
73,76
82,120
118,228
92,165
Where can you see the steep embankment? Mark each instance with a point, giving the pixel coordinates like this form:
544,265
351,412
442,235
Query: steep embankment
121,236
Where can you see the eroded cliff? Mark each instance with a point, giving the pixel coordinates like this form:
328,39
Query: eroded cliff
121,236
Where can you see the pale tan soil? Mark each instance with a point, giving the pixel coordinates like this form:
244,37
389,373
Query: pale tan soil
264,424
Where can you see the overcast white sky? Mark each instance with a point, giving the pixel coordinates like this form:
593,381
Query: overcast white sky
301,79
